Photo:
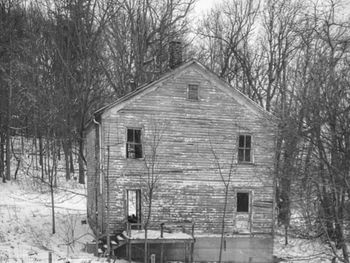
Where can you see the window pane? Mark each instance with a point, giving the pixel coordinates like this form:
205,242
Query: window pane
241,141
138,150
247,156
240,155
132,203
242,202
130,150
130,135
247,141
193,92
137,136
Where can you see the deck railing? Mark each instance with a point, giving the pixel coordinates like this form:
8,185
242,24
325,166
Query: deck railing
165,226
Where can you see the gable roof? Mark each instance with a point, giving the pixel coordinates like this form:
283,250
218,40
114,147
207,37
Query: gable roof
144,89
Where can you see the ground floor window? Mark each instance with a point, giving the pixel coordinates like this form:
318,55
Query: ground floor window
243,202
133,201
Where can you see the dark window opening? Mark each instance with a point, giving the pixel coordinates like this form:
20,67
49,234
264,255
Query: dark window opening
243,202
245,148
134,144
133,206
192,93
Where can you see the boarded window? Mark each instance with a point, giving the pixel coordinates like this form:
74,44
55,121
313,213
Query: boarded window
134,144
192,93
133,200
243,202
245,148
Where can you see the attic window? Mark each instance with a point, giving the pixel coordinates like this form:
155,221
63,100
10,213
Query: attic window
134,144
243,202
192,92
245,149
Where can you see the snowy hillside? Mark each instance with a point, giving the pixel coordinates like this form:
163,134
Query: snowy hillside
26,226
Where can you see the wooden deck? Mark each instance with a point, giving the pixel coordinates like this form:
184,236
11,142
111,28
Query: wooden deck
160,239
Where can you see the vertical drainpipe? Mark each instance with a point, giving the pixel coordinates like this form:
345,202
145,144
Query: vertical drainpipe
100,153
100,171
274,201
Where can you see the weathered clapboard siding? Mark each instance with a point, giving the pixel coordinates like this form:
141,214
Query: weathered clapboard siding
190,187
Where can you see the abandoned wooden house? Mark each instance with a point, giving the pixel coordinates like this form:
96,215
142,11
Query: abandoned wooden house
165,152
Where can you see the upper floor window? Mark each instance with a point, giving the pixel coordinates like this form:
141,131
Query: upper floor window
192,92
245,148
134,144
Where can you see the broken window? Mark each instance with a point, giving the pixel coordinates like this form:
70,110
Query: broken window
245,148
133,200
134,144
243,202
192,92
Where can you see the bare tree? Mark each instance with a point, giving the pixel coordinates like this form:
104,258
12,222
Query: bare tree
327,122
76,33
137,40
12,34
225,170
226,34
152,160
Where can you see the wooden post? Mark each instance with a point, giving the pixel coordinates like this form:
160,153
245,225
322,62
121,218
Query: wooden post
129,251
50,257
161,253
192,243
161,229
108,209
192,249
128,227
192,232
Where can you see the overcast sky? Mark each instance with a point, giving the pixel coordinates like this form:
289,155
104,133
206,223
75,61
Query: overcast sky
203,5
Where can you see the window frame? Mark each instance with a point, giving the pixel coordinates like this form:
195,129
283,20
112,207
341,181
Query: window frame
245,148
189,86
249,202
134,143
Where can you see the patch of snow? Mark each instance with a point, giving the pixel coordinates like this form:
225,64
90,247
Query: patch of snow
155,234
301,250
26,226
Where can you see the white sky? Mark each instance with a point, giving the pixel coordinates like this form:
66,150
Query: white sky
204,5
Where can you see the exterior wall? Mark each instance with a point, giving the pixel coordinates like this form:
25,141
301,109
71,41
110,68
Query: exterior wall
190,186
240,249
237,249
93,193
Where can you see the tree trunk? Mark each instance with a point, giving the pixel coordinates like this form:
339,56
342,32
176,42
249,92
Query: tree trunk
81,157
223,222
81,170
66,159
8,137
2,157
41,155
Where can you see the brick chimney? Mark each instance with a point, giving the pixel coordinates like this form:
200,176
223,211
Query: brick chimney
175,53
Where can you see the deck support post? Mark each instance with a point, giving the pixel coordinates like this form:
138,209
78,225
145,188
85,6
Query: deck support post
161,253
191,253
129,251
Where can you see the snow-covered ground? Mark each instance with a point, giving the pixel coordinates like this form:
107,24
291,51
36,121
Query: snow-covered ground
301,250
26,226
26,229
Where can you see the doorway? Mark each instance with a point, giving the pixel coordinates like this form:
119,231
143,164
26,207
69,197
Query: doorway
133,206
